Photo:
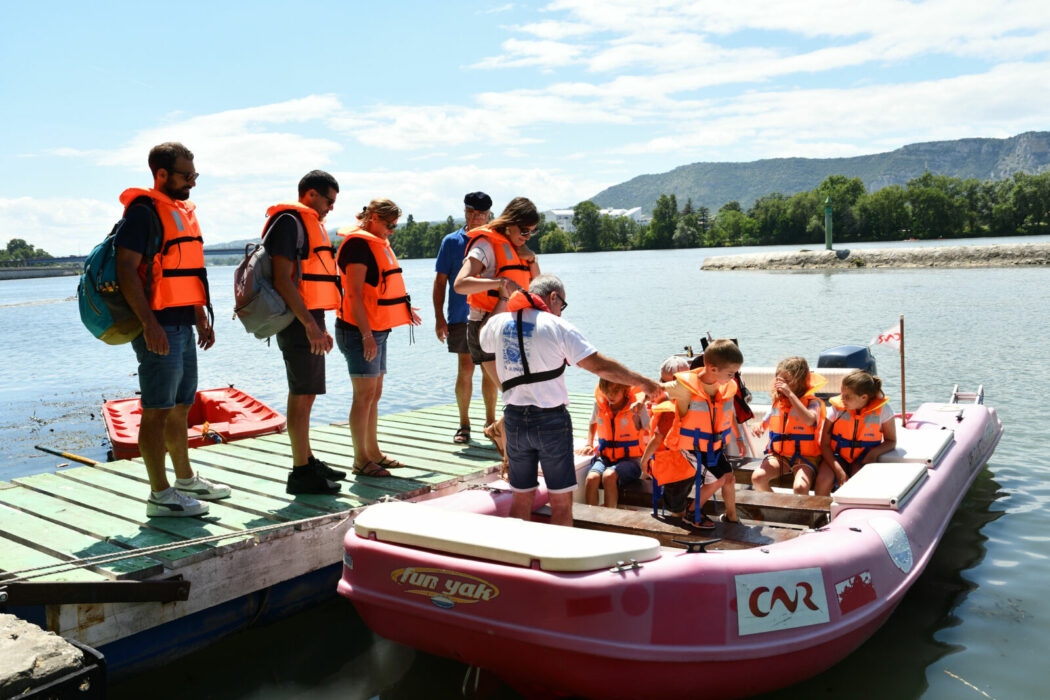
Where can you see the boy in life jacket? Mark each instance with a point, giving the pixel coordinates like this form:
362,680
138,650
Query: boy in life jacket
858,430
794,425
702,424
619,423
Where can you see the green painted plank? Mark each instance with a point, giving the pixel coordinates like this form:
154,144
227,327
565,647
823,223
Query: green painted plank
278,508
16,557
97,524
132,509
69,544
231,455
119,485
455,457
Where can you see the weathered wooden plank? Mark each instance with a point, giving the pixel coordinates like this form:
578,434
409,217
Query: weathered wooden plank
100,525
246,483
446,451
411,452
65,543
128,508
120,485
17,557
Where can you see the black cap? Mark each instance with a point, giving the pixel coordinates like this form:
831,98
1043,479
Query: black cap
478,200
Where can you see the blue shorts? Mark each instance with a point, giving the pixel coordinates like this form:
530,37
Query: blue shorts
627,470
352,345
539,436
167,380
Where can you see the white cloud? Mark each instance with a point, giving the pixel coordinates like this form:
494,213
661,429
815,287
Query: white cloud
496,10
60,225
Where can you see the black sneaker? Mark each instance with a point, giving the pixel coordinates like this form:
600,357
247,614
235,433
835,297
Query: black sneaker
325,470
307,479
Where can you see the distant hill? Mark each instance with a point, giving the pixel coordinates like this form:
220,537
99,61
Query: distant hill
713,184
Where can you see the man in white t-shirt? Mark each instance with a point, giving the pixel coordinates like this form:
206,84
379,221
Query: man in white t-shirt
532,345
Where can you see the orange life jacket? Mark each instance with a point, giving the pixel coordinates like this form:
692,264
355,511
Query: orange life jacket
668,466
618,436
708,421
855,432
319,279
508,264
179,277
788,435
387,304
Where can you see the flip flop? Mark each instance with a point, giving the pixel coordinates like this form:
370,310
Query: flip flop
388,463
725,519
370,469
462,435
705,523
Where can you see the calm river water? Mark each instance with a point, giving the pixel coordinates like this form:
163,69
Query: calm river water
973,626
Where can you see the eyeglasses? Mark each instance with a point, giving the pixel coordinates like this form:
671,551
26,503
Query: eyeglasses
330,200
189,177
564,304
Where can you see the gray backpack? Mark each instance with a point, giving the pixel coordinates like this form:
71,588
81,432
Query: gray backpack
257,304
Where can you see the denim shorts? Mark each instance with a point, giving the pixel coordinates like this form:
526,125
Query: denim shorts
540,437
352,345
167,380
627,470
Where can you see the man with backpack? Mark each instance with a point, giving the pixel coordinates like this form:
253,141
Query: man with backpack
160,267
305,275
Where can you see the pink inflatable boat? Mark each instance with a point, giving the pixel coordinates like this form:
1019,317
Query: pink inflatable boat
626,605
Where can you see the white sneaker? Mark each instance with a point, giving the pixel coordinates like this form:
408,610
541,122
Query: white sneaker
202,489
171,503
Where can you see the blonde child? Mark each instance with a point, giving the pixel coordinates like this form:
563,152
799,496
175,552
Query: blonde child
858,430
794,425
619,423
703,401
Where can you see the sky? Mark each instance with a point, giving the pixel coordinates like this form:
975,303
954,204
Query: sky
422,102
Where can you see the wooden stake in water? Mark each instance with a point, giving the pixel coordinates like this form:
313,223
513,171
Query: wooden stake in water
904,410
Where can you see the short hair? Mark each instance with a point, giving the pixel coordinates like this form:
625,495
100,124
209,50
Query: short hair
673,365
543,285
863,384
164,156
722,352
798,369
606,386
319,181
384,208
520,212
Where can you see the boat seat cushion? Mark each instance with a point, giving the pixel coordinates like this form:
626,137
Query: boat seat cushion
923,445
506,540
880,485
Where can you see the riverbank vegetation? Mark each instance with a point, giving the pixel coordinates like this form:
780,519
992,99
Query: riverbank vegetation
929,206
18,251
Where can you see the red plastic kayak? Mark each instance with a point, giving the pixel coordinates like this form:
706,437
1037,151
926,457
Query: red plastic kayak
217,415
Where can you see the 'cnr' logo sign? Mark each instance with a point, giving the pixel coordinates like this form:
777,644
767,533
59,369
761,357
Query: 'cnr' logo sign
779,600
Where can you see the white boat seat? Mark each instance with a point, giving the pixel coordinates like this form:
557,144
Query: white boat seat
506,540
879,485
925,446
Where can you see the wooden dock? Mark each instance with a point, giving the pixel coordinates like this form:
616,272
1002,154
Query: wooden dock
258,538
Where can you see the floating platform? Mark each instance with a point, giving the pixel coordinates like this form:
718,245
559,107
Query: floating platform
79,557
1002,255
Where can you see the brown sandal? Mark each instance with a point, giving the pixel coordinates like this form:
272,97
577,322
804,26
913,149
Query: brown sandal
370,469
390,463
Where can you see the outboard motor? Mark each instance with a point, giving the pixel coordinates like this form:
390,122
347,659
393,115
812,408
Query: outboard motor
852,356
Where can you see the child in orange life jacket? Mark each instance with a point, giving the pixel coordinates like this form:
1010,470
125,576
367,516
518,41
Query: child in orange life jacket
794,424
703,420
619,421
858,430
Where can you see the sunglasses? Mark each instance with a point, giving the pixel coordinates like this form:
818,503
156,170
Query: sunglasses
564,304
190,177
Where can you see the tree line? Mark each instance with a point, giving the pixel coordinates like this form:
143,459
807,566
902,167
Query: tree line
18,250
929,206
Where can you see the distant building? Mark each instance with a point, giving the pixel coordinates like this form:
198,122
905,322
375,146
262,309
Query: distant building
563,217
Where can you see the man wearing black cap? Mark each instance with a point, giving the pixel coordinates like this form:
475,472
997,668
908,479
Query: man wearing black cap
477,211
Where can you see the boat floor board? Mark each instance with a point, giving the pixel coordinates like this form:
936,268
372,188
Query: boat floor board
786,508
667,529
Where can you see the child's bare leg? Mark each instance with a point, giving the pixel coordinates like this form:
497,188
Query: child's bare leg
612,488
590,488
803,480
767,470
825,480
729,496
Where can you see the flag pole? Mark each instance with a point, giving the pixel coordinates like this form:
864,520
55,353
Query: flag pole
904,410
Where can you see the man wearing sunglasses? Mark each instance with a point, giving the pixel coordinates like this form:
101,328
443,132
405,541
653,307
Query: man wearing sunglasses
160,267
452,330
305,275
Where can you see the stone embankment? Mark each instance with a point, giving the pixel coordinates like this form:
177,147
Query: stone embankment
31,658
1005,255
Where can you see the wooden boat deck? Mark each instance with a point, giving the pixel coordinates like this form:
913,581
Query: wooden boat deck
48,520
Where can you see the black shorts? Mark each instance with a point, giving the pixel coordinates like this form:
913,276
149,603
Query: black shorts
474,343
457,338
304,369
719,469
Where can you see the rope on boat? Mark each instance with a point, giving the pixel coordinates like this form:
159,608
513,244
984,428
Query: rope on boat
101,559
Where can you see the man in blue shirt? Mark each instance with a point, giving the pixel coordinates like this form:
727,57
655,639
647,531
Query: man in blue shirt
477,211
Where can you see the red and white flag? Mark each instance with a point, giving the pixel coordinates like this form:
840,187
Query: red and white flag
890,336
